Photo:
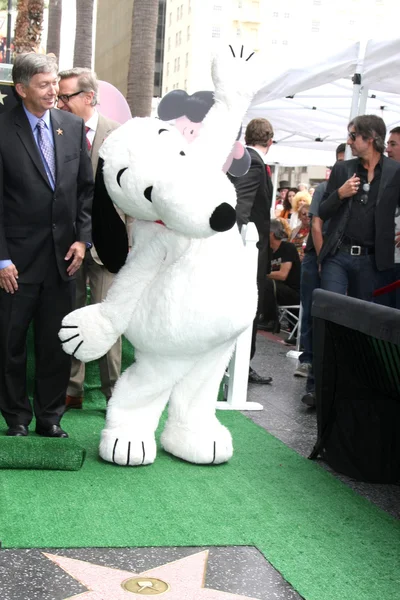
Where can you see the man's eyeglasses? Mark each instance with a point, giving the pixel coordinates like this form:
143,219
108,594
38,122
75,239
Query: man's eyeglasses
66,97
352,135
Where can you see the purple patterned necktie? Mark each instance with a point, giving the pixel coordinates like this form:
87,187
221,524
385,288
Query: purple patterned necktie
46,148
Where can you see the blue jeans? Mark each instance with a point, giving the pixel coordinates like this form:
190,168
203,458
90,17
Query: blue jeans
355,276
392,298
310,280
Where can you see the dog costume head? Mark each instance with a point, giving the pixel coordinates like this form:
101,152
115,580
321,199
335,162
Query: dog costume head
152,173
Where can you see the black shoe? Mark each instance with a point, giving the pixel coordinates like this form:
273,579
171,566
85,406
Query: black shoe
18,431
309,399
256,378
273,326
53,431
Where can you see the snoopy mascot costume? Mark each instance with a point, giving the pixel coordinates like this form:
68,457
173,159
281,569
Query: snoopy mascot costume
184,292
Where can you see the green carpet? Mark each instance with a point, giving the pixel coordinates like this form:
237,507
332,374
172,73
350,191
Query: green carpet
328,542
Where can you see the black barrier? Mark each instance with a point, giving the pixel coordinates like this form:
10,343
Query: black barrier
357,384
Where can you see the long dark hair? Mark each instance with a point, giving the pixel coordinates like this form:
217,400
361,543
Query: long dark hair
286,203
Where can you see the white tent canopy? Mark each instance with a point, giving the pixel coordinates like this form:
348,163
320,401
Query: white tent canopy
309,106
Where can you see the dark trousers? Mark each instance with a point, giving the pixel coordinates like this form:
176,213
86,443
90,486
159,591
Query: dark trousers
278,293
310,281
45,304
355,276
262,270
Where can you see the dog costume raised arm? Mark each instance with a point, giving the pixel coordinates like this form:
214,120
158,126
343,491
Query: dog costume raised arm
184,294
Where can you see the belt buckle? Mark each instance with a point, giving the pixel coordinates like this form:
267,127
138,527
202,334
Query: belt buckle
355,251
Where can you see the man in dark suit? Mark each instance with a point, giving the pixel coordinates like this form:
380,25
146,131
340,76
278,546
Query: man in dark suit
46,187
254,198
78,94
361,200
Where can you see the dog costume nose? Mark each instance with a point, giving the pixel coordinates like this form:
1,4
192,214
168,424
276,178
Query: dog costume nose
223,217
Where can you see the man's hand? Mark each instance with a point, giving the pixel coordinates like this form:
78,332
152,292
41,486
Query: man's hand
77,250
8,279
397,239
349,188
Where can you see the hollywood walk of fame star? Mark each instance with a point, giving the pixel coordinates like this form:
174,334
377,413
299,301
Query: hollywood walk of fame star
182,579
2,96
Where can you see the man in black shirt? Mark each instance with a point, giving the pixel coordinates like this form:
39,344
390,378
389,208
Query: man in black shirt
283,282
360,201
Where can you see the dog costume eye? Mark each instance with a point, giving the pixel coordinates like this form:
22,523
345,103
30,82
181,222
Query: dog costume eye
120,175
147,193
161,130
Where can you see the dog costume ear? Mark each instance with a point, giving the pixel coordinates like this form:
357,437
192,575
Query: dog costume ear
108,230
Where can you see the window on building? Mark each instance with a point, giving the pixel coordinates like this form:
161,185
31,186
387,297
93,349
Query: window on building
185,86
287,15
176,39
317,2
181,11
217,7
178,63
188,33
177,14
238,32
285,42
167,68
216,32
275,14
187,59
170,19
169,43
274,42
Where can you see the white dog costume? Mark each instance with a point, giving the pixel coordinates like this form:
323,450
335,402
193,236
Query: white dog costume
185,292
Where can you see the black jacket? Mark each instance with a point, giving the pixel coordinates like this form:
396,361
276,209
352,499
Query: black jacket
35,221
338,211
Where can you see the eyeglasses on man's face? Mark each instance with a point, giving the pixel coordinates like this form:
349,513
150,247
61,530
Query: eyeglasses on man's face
66,97
352,135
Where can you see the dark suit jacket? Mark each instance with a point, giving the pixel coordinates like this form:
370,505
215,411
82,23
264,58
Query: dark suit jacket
338,210
35,221
254,196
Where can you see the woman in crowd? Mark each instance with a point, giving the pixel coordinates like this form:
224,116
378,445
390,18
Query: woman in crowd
300,199
300,234
288,204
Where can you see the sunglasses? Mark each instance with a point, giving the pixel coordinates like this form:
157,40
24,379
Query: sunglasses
66,97
352,135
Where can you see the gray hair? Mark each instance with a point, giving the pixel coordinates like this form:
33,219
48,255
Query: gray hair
87,81
28,64
278,229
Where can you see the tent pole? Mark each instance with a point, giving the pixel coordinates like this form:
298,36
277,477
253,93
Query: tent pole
275,189
354,105
363,101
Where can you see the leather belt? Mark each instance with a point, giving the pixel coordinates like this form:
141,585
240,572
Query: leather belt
357,250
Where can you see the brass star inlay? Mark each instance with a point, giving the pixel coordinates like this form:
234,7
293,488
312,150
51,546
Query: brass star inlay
59,132
2,96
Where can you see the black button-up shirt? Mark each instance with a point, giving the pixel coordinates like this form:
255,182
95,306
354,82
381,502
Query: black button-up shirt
360,228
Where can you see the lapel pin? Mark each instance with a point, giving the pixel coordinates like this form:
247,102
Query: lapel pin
59,132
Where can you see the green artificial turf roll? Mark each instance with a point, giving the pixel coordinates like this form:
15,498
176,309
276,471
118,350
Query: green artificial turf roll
40,453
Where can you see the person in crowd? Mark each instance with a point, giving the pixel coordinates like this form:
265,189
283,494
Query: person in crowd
311,191
254,197
45,228
287,206
281,196
286,227
392,298
78,94
300,199
299,235
361,200
283,282
303,187
310,280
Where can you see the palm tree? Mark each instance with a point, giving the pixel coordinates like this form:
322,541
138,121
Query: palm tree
142,57
54,27
29,25
83,34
